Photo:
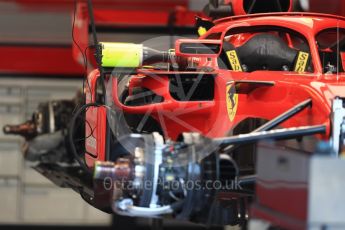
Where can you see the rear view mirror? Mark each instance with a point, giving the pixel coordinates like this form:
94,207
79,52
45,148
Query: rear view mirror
198,48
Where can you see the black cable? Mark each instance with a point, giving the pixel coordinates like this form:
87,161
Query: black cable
86,77
71,134
85,107
92,19
91,133
279,6
95,39
85,61
97,46
251,7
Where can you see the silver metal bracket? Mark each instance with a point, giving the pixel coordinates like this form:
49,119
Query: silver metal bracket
338,128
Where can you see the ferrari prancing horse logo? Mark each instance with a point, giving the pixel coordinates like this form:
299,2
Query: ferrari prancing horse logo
231,101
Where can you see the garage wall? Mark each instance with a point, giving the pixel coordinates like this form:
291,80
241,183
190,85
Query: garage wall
38,27
26,197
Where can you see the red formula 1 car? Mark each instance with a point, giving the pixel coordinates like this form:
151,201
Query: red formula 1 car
242,73
175,132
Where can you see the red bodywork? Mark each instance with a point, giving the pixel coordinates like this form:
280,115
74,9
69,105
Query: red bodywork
210,117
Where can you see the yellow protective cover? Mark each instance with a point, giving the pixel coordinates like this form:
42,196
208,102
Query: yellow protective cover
121,55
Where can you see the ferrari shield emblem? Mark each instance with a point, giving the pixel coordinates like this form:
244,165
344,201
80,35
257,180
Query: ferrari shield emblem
231,101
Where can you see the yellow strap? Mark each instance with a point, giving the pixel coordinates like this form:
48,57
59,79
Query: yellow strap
302,62
201,30
234,61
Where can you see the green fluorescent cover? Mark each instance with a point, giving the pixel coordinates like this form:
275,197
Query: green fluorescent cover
125,55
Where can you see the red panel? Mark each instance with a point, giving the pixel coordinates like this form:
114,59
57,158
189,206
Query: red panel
38,60
97,121
143,18
290,201
131,17
332,6
107,4
123,12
